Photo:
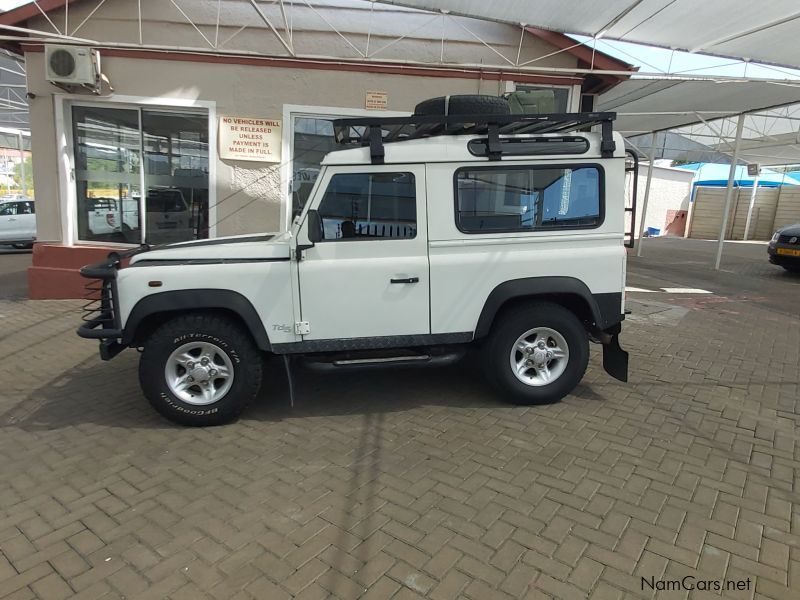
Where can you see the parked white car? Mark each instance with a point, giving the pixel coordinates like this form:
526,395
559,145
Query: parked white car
18,222
169,218
168,215
412,247
105,216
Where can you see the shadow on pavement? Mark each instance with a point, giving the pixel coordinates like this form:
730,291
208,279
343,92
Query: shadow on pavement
108,394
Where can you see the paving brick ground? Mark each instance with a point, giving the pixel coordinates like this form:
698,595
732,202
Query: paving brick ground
420,484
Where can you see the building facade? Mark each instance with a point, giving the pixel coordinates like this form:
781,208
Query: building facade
215,115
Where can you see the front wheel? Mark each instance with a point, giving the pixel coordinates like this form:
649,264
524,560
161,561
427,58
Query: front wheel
536,354
200,369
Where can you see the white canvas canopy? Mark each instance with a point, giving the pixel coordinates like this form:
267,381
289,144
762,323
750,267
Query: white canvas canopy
766,32
692,108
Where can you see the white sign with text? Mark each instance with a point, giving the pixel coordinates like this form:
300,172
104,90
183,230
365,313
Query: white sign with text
248,138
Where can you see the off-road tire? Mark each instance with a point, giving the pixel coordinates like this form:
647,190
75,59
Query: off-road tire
220,330
464,105
506,330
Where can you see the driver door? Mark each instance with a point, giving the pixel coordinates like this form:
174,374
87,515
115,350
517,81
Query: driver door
369,275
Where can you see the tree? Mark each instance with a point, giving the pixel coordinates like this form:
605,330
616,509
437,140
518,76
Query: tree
28,174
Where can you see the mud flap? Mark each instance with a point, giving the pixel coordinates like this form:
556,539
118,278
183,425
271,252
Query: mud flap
615,359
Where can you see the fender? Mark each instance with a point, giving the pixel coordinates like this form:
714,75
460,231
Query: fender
181,300
605,309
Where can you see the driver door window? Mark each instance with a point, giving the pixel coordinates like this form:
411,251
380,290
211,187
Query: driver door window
369,206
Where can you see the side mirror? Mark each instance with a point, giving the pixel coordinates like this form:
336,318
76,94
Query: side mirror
314,227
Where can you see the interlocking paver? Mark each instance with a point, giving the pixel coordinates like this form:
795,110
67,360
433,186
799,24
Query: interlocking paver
385,485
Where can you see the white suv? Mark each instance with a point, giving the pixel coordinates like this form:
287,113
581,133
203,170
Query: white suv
433,233
18,222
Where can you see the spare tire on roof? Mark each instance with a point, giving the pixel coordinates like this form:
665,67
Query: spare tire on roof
463,105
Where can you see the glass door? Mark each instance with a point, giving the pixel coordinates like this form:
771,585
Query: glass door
176,176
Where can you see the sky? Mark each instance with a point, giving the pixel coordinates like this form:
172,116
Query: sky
9,4
648,59
651,60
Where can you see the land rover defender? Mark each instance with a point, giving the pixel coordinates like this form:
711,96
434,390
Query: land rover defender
422,236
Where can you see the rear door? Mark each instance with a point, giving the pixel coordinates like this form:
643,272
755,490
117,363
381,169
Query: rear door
369,276
9,223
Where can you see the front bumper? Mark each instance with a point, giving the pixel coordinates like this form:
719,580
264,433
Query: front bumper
783,259
101,311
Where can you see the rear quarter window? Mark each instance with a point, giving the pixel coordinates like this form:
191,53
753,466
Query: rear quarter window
506,199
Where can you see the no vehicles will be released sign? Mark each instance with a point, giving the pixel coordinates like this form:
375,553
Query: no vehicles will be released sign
248,138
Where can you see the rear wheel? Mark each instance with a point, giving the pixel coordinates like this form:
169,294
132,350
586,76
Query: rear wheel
200,369
536,354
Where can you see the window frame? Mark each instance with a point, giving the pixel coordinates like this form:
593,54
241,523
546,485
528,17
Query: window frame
538,167
375,239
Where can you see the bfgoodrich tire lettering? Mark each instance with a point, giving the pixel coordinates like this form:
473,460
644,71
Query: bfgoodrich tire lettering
207,330
543,317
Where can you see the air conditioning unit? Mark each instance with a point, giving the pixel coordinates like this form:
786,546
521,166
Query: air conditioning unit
72,65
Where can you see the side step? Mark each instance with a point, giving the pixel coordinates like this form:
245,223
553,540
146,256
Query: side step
352,363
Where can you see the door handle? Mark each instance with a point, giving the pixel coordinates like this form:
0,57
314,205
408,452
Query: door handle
12,219
406,280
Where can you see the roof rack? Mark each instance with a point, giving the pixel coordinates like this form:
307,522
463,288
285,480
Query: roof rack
376,131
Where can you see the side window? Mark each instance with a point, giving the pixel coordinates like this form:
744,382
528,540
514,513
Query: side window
368,206
8,209
25,208
528,198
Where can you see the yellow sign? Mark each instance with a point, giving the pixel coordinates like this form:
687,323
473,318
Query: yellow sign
246,138
377,100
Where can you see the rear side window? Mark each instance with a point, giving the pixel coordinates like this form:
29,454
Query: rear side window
508,199
369,206
521,146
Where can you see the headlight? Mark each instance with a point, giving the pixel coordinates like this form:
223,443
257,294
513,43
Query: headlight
775,236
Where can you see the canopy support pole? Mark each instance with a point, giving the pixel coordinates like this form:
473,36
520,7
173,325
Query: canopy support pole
651,158
22,173
729,190
753,194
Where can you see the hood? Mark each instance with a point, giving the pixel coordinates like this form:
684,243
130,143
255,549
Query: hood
790,230
240,247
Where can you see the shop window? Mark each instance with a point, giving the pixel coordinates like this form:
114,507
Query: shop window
120,151
537,99
313,139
